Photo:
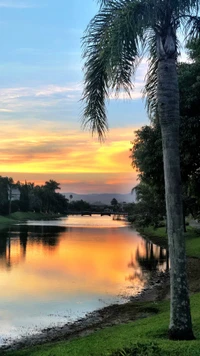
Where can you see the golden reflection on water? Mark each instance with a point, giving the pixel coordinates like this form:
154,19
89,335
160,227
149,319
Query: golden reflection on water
46,262
55,272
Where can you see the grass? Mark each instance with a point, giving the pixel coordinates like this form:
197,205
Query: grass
193,242
149,333
159,236
5,220
23,216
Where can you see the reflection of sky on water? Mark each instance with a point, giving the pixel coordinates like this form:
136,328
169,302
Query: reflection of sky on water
55,274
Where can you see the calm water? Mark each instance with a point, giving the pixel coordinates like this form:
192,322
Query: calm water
53,272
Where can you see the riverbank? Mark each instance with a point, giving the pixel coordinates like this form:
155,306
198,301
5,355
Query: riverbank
159,237
24,216
148,304
139,325
143,321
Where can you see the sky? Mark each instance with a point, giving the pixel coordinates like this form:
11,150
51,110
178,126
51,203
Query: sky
41,82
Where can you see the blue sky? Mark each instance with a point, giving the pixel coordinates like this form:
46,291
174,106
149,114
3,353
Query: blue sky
41,82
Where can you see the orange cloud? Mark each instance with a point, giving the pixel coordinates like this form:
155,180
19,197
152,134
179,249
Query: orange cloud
43,149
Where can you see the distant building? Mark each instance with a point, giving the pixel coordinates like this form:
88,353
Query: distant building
13,193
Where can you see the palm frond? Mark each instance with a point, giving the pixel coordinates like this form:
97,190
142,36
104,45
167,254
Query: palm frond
150,89
192,28
112,45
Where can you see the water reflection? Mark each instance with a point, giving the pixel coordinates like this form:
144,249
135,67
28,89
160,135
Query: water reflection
13,242
147,259
51,274
155,258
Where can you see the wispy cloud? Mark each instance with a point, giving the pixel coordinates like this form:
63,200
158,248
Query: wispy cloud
5,110
28,98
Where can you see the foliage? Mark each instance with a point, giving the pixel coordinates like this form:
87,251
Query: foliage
37,198
114,202
5,182
146,153
79,206
115,41
150,208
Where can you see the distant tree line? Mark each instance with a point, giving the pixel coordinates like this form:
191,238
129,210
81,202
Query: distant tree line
43,199
38,198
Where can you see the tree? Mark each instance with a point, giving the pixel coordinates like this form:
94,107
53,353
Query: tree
146,156
146,153
52,185
79,205
4,181
150,208
114,202
112,49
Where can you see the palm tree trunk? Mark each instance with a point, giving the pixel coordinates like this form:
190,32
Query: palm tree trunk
180,327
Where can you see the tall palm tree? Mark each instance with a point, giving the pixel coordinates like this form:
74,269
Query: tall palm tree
114,43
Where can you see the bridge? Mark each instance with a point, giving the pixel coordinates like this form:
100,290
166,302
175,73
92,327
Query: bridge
90,213
102,213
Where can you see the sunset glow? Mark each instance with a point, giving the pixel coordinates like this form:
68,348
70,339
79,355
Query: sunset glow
40,103
74,257
69,156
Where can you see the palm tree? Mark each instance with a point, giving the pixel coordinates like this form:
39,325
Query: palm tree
114,42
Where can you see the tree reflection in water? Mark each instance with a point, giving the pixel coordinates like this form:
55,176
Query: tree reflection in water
150,259
13,243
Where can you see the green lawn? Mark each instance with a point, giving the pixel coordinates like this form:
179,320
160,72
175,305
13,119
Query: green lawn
21,216
5,220
159,236
148,331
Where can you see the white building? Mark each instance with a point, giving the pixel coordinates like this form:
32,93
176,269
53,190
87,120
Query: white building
13,193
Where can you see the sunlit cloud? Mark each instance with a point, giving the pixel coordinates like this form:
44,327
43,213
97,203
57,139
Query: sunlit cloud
74,157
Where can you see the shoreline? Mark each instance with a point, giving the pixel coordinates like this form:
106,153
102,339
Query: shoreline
143,305
139,306
156,289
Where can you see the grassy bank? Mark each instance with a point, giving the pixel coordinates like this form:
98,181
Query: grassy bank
4,220
151,331
21,216
159,236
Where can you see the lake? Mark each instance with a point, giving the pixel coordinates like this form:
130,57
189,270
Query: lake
54,272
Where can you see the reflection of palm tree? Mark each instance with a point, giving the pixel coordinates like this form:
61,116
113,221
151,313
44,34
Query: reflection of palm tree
3,243
23,237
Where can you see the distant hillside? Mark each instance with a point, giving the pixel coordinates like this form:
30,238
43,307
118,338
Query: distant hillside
102,198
